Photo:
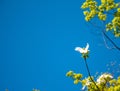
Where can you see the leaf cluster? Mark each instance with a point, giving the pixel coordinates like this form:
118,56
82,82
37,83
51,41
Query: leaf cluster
91,9
105,82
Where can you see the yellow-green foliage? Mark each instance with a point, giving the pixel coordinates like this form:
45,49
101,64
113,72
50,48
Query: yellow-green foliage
115,24
92,9
35,89
105,82
76,77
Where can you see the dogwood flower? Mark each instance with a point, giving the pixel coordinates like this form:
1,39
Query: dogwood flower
104,77
83,51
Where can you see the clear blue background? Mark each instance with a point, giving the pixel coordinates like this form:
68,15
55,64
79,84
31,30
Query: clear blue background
37,41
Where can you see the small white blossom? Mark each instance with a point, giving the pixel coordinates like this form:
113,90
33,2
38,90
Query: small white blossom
86,84
82,50
83,87
104,77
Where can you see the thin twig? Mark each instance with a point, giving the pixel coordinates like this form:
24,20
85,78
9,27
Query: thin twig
106,43
103,32
118,48
104,84
90,74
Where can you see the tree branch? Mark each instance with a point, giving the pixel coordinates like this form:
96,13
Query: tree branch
90,74
104,34
115,46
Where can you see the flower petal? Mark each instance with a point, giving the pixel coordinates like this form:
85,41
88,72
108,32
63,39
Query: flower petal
87,46
79,49
83,87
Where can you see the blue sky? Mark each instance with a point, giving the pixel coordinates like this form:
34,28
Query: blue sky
37,41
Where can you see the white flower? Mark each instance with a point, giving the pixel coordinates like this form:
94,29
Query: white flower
104,77
86,84
83,87
82,50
